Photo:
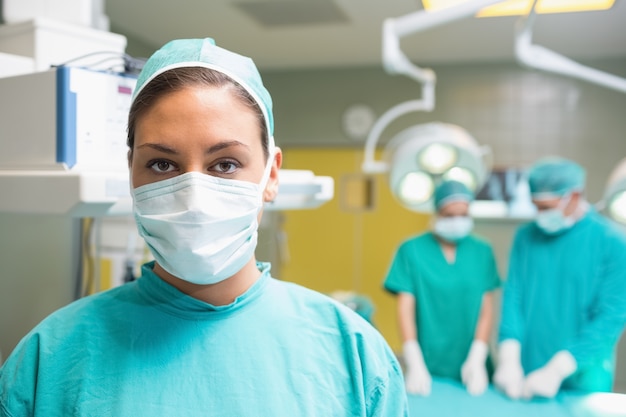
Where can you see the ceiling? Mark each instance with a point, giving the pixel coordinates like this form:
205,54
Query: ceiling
297,34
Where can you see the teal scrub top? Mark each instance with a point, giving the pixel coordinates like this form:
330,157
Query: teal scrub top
568,292
146,349
448,296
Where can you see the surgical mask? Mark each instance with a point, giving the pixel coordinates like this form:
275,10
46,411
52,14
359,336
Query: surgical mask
554,221
453,229
200,228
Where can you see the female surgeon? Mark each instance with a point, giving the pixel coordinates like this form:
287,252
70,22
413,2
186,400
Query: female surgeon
205,331
444,281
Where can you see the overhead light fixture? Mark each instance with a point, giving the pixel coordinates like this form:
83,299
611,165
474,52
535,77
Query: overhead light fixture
437,158
463,175
528,54
522,7
614,201
617,207
420,157
542,58
414,188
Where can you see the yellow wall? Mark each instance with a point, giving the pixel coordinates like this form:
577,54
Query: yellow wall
332,249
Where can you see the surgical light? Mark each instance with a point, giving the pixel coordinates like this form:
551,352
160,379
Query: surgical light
463,175
415,188
432,150
437,158
614,200
617,207
454,154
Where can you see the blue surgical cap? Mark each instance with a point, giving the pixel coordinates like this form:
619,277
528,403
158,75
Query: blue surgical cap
555,177
452,191
204,53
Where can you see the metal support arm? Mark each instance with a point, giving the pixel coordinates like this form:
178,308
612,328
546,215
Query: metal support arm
396,62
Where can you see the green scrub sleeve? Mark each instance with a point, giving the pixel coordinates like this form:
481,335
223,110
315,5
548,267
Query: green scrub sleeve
602,332
399,276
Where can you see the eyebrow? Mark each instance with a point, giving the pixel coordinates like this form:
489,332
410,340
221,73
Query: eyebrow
217,147
224,145
159,147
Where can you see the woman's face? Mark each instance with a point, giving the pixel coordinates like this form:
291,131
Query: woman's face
201,129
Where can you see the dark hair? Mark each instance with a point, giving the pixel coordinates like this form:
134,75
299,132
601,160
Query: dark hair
180,78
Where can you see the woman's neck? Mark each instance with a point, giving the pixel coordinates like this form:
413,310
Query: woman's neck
218,294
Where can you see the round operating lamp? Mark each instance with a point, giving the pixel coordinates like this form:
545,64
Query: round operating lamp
414,188
421,156
437,158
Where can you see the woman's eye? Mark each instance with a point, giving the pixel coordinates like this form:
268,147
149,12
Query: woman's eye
161,166
225,167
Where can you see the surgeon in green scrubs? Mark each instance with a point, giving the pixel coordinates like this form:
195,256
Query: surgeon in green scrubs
206,330
444,280
564,301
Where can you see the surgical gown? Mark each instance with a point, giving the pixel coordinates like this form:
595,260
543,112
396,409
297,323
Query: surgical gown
146,349
568,292
448,296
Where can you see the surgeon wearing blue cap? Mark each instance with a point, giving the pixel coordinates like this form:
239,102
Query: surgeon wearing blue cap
205,330
564,303
444,280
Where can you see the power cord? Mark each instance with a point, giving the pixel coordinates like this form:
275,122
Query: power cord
131,65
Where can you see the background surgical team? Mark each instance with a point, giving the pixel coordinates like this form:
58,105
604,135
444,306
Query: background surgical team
564,299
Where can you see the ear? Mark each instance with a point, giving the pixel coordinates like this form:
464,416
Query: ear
271,189
129,156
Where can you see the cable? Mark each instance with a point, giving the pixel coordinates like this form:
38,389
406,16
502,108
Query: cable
132,65
81,57
78,289
84,272
88,272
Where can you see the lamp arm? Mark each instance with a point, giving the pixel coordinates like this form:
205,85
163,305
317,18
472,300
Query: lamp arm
396,62
370,165
536,56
